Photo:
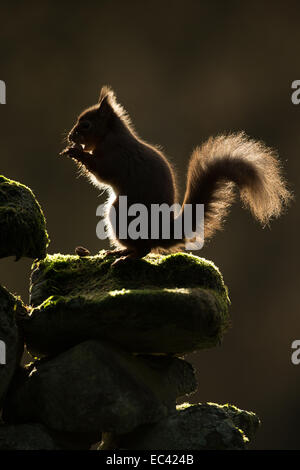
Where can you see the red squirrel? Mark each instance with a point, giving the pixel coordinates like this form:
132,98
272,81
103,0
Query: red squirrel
107,148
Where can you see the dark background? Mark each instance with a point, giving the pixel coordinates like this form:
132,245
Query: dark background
184,71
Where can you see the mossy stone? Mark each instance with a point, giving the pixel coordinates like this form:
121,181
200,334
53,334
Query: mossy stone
94,388
22,223
245,420
206,426
11,341
160,304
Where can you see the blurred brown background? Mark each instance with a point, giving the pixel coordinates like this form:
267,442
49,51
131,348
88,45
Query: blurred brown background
184,71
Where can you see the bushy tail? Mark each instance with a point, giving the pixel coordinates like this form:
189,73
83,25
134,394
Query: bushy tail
226,160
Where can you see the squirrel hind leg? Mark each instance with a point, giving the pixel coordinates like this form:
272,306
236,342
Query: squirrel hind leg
132,255
118,252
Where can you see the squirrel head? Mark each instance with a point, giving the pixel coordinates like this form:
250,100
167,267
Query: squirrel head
97,121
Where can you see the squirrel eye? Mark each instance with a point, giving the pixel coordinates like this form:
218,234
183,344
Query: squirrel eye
84,125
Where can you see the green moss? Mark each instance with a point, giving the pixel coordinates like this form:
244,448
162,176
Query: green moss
68,276
22,223
162,304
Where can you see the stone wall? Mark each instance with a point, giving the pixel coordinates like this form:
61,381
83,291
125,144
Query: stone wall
108,346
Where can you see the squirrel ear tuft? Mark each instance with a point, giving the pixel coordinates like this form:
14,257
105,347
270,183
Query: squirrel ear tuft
106,100
106,93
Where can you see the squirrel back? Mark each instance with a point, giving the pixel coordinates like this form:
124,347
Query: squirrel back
104,143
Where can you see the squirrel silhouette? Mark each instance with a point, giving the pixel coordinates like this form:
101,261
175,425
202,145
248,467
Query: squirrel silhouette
106,147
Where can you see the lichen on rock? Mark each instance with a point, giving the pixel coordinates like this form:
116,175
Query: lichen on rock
22,223
160,304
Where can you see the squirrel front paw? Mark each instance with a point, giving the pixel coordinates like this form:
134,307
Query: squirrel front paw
72,152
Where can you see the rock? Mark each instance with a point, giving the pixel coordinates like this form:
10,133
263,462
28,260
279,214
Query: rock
245,420
193,427
11,342
76,440
161,304
35,436
26,437
94,387
22,223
